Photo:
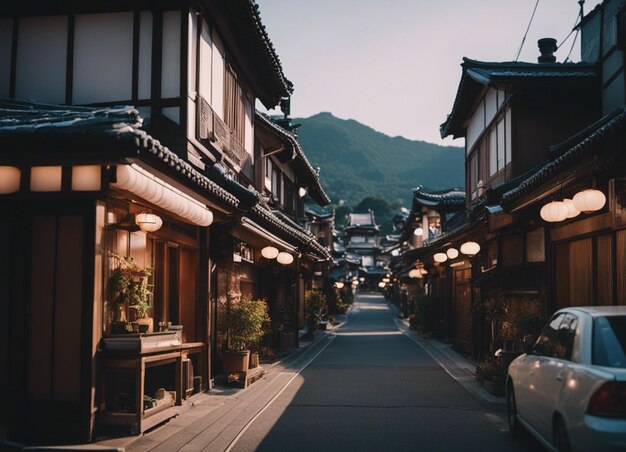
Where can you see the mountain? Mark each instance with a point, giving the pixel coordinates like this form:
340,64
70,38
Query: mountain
357,161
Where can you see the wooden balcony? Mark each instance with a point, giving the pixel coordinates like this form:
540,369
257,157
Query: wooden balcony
213,131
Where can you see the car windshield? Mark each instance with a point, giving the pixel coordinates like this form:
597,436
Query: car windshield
609,341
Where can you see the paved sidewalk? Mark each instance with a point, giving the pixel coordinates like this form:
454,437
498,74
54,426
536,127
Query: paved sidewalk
212,420
456,365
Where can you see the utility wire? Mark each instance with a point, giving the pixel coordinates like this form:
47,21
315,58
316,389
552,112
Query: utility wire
526,34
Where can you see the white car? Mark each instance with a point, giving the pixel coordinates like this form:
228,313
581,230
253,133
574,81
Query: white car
570,390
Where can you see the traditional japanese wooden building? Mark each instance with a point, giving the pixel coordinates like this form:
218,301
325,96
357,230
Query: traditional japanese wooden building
177,183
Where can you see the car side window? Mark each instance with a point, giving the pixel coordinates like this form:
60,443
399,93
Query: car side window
546,344
565,337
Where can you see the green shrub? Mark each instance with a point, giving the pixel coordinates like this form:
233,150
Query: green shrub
428,314
314,307
487,369
247,322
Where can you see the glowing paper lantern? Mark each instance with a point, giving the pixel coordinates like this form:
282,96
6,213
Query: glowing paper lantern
269,252
589,200
418,231
452,253
284,258
440,257
339,285
554,211
572,211
148,222
9,179
470,248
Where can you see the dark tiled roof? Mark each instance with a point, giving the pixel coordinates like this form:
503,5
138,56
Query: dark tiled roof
478,74
113,128
309,174
247,18
594,138
449,197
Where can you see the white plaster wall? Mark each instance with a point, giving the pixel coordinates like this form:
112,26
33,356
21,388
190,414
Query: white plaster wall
217,80
6,40
170,69
475,126
491,104
144,75
249,130
205,63
103,57
41,59
192,64
509,135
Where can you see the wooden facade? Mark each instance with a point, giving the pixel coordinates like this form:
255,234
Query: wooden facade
193,79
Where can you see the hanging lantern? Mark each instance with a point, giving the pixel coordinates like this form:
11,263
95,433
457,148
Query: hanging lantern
284,258
339,285
470,248
452,253
572,211
418,232
269,252
148,222
423,271
362,279
589,200
415,273
385,279
554,211
395,252
381,285
302,192
355,283
440,257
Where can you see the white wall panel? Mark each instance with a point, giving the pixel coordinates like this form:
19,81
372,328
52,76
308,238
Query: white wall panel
205,63
41,59
217,82
475,126
6,40
170,68
145,55
103,57
249,130
491,104
192,48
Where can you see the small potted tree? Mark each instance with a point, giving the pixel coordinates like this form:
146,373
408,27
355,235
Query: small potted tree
129,287
314,307
246,325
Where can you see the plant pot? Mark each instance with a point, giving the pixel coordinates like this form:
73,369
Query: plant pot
145,324
495,386
234,362
254,360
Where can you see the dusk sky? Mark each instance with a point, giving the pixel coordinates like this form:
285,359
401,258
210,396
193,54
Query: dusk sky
394,65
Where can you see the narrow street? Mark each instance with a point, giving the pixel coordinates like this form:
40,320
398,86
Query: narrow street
373,388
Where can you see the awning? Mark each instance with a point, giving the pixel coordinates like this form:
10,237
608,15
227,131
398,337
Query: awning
259,236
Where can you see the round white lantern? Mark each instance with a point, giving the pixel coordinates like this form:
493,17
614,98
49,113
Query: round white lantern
572,211
381,284
589,200
452,253
395,252
385,279
148,222
339,285
284,258
418,231
302,192
423,271
470,248
554,211
415,273
269,252
440,257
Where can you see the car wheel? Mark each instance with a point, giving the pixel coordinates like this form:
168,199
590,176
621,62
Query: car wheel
514,425
561,440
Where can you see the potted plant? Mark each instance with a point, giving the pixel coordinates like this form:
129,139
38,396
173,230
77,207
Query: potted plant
129,287
314,307
246,325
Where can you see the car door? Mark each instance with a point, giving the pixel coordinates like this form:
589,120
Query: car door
541,366
553,373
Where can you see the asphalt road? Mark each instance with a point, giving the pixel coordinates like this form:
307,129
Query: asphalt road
374,389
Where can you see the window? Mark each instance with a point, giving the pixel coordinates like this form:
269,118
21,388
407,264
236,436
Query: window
546,343
493,152
565,337
609,341
276,184
235,105
268,173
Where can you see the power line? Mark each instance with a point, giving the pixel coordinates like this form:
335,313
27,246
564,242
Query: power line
527,28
